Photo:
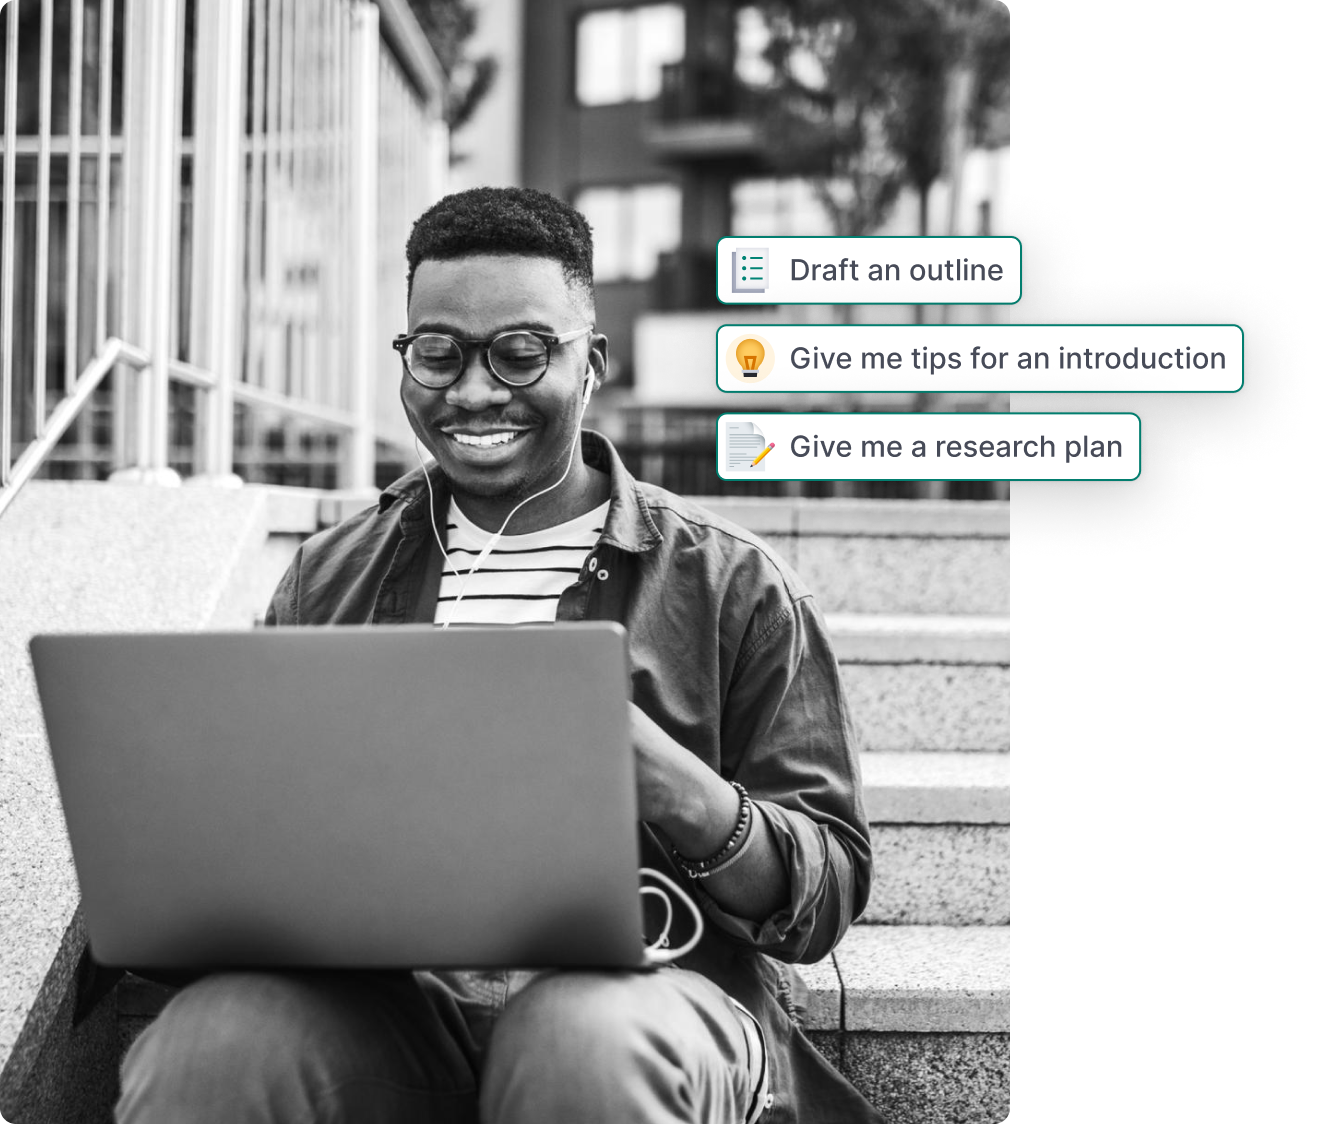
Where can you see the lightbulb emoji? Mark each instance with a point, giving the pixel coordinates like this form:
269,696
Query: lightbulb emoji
747,360
750,354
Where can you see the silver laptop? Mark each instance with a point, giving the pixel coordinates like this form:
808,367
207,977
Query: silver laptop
349,796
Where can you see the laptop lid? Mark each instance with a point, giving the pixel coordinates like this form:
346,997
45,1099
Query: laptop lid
349,796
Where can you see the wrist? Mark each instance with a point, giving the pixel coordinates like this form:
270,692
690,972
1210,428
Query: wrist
705,819
733,847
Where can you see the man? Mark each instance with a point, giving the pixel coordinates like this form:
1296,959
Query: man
733,681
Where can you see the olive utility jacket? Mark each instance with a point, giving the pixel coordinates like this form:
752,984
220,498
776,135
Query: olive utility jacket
729,655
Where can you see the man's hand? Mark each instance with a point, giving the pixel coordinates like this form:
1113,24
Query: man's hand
697,810
678,793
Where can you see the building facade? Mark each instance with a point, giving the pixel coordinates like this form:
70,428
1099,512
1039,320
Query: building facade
204,209
648,117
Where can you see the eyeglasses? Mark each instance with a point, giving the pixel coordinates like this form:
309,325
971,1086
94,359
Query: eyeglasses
516,358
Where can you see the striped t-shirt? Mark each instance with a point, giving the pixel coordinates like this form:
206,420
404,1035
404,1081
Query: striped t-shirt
523,577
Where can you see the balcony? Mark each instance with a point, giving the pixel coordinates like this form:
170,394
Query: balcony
685,279
705,113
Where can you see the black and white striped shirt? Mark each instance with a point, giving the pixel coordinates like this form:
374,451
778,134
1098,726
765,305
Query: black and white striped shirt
523,577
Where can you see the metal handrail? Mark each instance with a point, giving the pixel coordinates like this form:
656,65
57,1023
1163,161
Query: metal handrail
312,411
284,153
113,352
192,375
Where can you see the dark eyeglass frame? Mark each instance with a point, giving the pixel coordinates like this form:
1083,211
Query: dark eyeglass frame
401,343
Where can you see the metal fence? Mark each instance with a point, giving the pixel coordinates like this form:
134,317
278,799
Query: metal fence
191,259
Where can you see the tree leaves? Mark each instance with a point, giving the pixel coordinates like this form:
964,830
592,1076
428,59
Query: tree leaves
865,95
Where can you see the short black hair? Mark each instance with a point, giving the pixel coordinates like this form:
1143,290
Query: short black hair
504,220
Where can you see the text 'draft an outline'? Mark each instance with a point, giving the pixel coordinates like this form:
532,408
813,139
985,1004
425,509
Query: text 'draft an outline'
879,269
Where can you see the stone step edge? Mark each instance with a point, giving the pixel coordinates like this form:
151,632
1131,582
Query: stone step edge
923,979
936,788
926,979
919,638
952,519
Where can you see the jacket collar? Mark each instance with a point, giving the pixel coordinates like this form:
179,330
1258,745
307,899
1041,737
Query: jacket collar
629,526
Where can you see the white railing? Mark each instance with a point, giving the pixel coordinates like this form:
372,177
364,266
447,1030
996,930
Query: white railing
194,245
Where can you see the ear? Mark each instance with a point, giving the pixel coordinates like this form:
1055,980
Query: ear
599,358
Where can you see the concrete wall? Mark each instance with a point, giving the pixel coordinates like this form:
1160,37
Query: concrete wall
97,558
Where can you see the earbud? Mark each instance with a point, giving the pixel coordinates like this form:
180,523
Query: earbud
590,389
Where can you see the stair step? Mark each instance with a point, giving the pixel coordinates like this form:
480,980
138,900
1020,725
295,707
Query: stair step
896,556
913,1078
915,707
941,845
925,682
914,979
917,1019
901,638
939,836
904,575
917,978
803,515
939,874
936,788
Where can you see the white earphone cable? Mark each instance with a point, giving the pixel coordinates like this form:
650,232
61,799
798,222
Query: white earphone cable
655,954
494,539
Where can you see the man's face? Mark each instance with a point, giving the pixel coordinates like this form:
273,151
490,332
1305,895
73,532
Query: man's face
527,434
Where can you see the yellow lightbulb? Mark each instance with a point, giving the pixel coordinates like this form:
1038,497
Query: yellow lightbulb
750,354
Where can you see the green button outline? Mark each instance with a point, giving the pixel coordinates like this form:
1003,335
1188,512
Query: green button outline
1003,390
1139,423
1020,264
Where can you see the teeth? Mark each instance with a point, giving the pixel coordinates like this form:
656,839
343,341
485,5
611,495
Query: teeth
485,440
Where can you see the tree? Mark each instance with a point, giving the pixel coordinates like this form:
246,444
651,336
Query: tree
884,95
880,91
448,25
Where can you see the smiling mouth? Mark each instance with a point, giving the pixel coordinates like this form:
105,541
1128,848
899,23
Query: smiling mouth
486,440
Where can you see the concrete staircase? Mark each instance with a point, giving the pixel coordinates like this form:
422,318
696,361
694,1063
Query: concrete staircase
912,1006
96,558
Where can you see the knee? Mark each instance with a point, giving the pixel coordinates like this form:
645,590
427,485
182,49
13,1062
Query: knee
250,1046
601,1015
218,1020
590,1047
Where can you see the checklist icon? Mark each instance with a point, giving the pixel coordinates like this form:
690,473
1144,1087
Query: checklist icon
750,269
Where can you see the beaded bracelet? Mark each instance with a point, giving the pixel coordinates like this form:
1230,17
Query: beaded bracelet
740,834
741,850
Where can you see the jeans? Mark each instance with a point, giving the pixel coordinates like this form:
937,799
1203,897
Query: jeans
394,1047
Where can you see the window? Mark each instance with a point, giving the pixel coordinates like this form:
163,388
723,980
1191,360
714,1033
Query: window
788,207
621,52
632,227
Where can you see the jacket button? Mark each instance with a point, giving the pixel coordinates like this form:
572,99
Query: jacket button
592,564
603,575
